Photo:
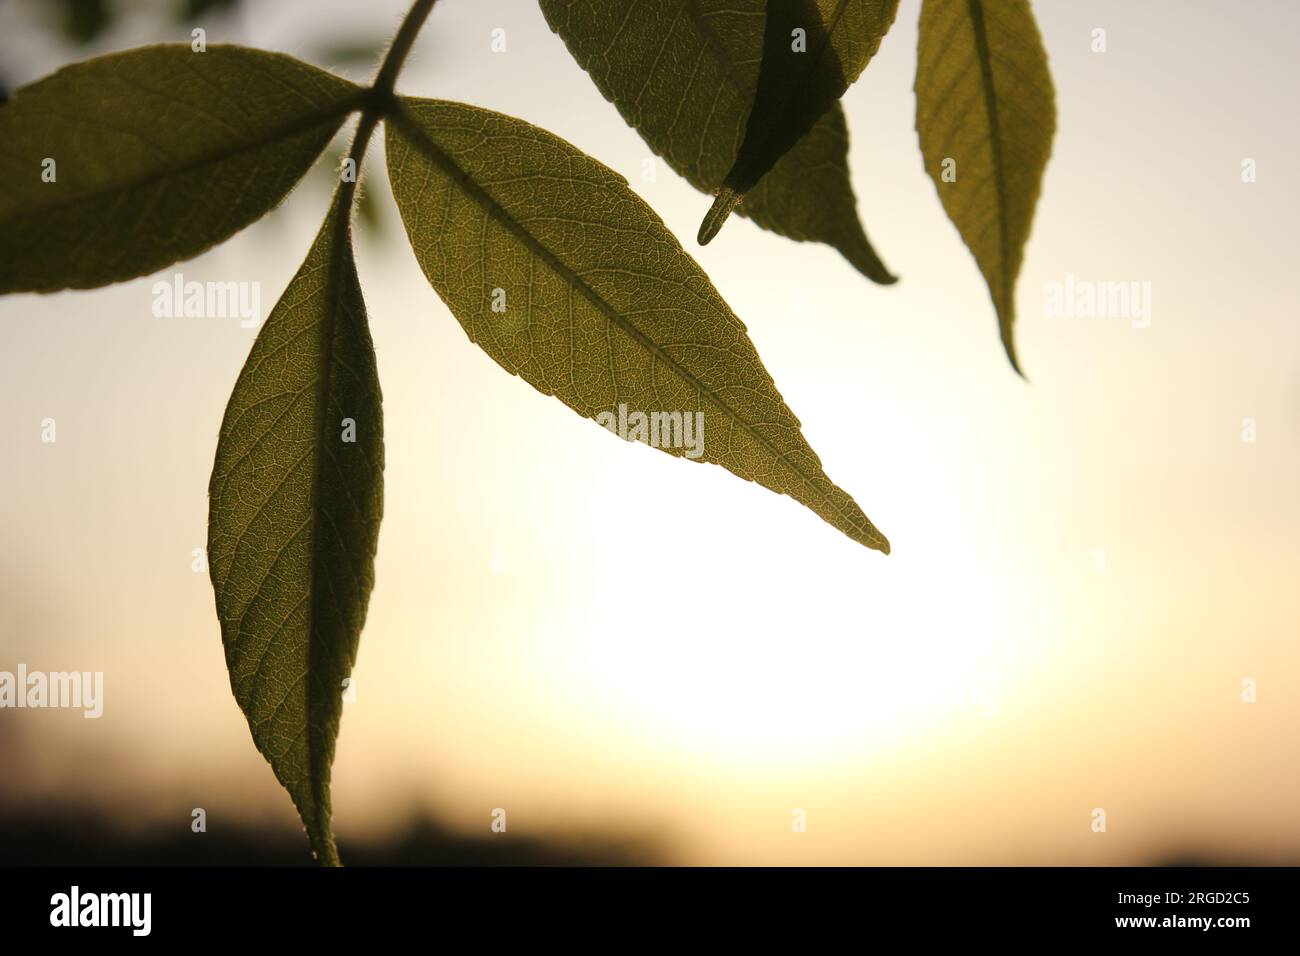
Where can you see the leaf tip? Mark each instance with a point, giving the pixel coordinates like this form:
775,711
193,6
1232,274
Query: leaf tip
1009,345
724,204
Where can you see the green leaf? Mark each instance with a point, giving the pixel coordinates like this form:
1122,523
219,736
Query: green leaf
294,509
812,51
683,73
986,115
566,278
156,154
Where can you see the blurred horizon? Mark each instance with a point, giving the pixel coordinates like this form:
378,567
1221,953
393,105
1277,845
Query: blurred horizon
631,653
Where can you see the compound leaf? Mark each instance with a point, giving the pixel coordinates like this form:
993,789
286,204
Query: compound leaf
986,115
812,51
294,507
123,164
683,73
566,278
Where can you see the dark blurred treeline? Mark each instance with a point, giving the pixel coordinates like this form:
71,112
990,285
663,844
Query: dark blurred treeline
67,837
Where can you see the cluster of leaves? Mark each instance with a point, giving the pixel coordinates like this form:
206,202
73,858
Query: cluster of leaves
163,152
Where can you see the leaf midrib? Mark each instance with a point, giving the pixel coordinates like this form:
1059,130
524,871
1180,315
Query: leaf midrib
983,57
339,239
402,116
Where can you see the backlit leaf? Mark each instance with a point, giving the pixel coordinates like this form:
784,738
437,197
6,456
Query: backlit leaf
294,507
812,51
683,73
986,115
566,278
121,165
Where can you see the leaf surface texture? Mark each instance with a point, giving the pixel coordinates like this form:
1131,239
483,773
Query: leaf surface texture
294,511
683,73
159,153
812,51
984,101
602,305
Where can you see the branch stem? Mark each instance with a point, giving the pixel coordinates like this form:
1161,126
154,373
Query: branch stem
380,94
400,48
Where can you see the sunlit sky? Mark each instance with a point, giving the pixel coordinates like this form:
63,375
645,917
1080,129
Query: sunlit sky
592,634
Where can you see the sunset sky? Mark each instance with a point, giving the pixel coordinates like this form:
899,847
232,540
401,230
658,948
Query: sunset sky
599,637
